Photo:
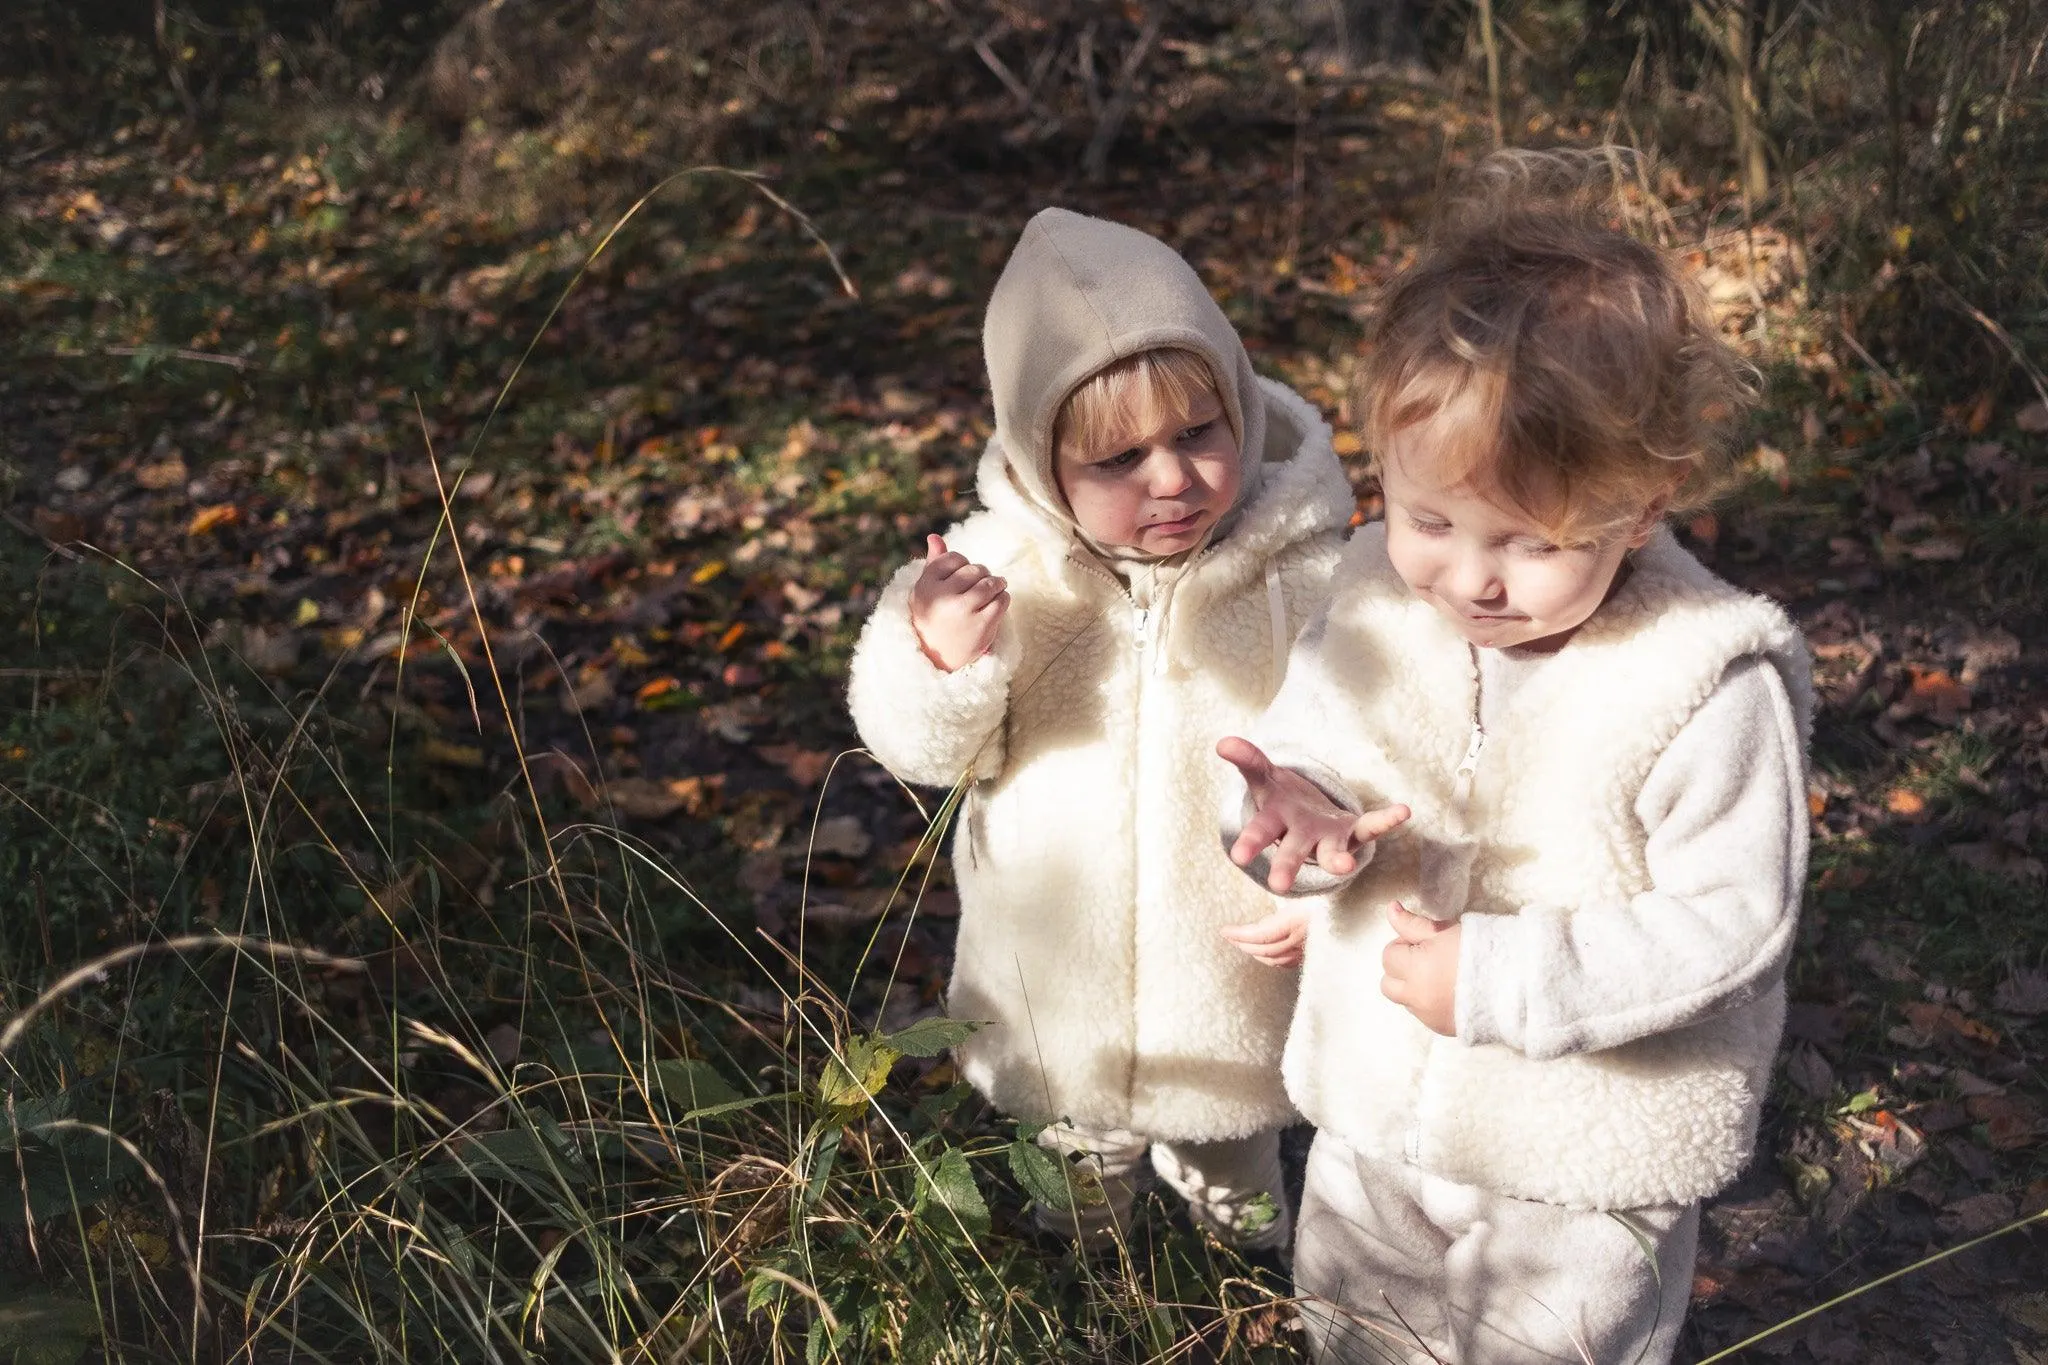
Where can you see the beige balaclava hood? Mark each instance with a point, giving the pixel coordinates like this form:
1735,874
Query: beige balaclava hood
1080,293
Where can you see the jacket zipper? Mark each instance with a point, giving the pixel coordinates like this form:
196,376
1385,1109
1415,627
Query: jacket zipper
1461,794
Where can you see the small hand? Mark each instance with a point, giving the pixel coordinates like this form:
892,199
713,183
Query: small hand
1275,940
955,607
1299,822
1421,966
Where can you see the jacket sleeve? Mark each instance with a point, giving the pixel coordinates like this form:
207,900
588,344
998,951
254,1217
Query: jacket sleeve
1294,724
924,724
1725,812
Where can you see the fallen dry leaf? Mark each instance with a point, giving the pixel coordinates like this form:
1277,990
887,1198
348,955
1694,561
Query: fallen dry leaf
163,474
841,836
1976,1215
451,755
212,518
806,767
2025,992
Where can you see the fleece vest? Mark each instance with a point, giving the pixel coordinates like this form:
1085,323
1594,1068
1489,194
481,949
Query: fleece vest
1547,817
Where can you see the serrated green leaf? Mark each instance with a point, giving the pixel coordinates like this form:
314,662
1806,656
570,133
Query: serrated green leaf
695,1084
850,1084
930,1037
44,1329
28,1115
948,1198
764,1289
539,1150
1059,1185
71,1170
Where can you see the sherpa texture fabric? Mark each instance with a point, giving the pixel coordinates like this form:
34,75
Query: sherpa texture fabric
1091,890
1618,1011
1397,1265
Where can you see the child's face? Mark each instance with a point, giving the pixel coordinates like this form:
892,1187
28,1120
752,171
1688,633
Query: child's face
1157,490
1491,571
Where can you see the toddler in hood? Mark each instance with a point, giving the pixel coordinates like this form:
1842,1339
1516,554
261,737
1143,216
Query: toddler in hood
1159,522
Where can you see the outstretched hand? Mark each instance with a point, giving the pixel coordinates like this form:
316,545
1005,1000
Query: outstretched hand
956,606
1297,820
1421,966
1275,940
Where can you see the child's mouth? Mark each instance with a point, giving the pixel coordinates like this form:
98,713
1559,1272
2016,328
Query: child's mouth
1174,528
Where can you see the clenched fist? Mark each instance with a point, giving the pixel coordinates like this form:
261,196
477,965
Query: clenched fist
955,607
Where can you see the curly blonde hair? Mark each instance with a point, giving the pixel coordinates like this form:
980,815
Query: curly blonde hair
1568,368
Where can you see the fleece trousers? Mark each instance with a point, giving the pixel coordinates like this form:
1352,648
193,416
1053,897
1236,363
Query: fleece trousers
1388,1253
1234,1187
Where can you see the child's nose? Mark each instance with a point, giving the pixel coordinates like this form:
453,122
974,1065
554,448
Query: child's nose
1476,578
1171,475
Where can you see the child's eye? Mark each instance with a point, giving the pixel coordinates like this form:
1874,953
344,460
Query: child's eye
1198,431
1123,459
1536,549
1428,528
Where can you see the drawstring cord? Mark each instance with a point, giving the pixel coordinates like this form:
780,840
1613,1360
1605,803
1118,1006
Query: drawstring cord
1276,607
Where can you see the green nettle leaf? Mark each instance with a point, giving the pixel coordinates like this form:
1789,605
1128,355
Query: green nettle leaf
1058,1185
75,1170
764,1289
542,1150
21,1116
43,1329
695,1084
930,1037
852,1083
947,1197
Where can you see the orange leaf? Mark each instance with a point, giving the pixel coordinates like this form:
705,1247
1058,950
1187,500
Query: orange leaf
208,518
660,687
1907,805
731,637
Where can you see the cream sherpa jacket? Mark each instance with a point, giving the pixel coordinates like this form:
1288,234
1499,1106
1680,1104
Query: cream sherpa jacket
1091,891
1621,989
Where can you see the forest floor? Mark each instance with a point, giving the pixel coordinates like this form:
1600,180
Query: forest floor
244,365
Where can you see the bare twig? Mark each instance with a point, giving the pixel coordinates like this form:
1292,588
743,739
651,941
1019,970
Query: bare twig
176,352
1095,160
1027,99
1490,44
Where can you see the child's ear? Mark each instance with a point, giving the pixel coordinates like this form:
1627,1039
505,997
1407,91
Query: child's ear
1652,517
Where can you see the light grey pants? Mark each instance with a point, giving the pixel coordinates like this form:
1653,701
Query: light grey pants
1233,1187
1390,1253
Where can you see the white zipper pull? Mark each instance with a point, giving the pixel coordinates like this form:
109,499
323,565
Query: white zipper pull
1468,767
1143,635
1469,764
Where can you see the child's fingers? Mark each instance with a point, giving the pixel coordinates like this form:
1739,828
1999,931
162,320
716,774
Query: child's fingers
1409,926
995,606
1333,854
1271,929
1288,855
1375,823
1264,828
934,546
1249,760
980,590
